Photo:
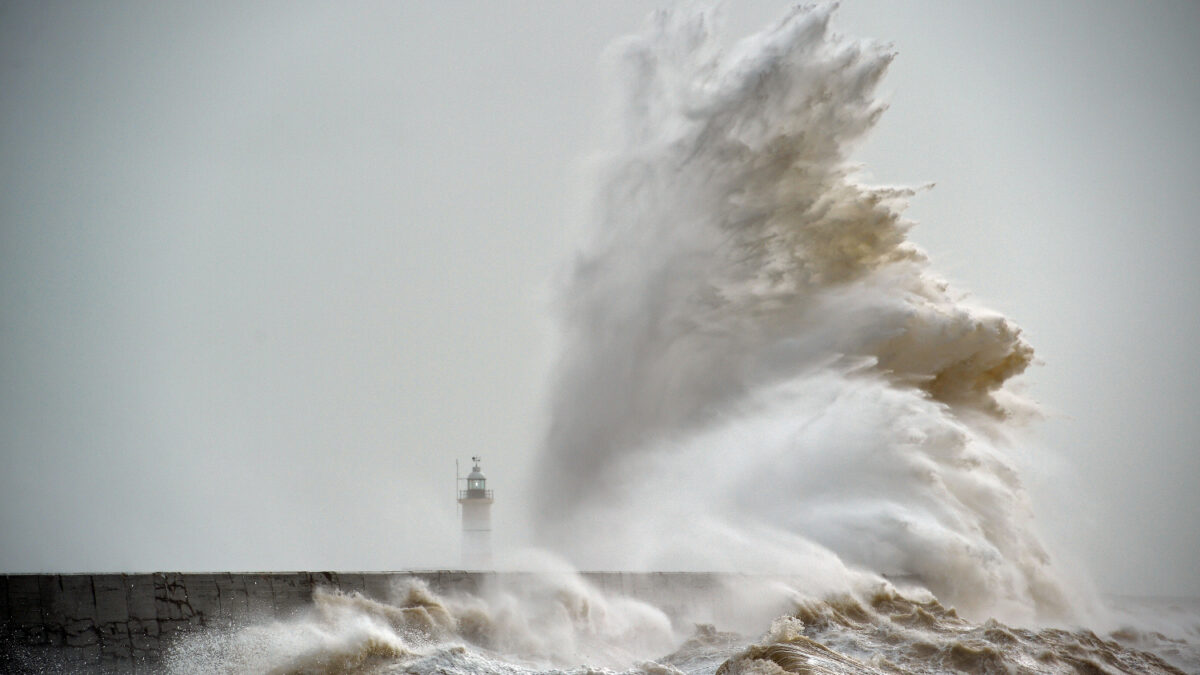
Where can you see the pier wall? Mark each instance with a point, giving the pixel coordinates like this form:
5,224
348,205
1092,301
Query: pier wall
122,623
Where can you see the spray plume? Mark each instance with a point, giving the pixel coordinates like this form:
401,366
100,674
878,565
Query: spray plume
760,373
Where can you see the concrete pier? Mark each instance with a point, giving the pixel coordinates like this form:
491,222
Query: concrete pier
122,623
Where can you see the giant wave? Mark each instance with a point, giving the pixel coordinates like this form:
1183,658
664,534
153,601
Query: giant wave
759,374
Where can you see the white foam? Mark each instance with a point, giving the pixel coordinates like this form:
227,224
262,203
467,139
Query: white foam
760,372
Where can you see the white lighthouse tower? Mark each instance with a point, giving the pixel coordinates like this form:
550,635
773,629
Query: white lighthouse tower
476,503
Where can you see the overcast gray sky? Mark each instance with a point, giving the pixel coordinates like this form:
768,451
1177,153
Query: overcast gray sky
266,269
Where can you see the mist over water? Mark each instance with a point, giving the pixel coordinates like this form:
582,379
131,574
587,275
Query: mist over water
761,372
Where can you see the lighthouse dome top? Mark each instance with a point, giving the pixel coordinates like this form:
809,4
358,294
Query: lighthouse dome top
475,479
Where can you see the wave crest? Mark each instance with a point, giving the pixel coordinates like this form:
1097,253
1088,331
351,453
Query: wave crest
757,363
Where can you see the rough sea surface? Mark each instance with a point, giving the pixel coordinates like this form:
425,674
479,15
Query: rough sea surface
560,624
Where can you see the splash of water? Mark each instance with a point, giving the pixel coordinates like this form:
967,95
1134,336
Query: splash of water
761,375
511,625
760,372
552,622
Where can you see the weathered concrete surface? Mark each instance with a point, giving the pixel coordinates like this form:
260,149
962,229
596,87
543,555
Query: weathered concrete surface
121,623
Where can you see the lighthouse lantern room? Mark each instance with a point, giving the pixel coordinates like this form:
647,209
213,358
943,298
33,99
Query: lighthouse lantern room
476,502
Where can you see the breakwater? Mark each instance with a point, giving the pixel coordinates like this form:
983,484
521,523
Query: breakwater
122,623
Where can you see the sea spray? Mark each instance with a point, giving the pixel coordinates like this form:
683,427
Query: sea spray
759,370
542,620
760,375
555,621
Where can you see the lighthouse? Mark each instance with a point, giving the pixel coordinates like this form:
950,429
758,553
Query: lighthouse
476,503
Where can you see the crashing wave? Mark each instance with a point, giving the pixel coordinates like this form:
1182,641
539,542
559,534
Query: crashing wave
759,370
